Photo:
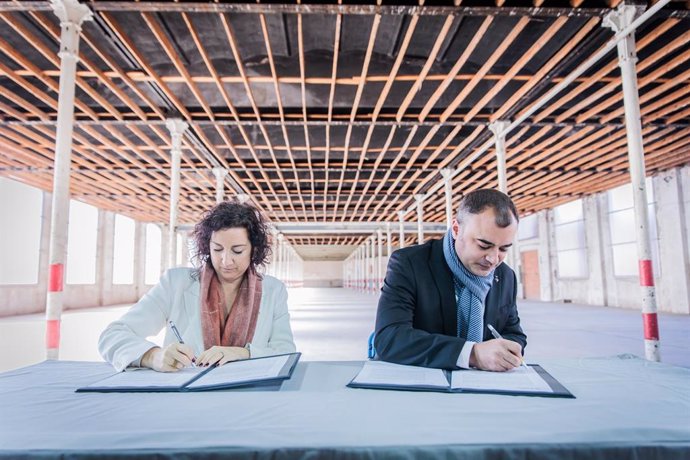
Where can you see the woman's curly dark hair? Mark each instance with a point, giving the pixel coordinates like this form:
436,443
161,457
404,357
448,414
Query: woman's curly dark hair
229,214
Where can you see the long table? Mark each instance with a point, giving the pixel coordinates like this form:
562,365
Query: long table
625,407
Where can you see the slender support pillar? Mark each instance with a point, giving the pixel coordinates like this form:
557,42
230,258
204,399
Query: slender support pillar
618,20
274,256
177,128
401,229
280,261
220,174
498,128
447,174
71,15
379,260
362,284
372,267
389,239
419,198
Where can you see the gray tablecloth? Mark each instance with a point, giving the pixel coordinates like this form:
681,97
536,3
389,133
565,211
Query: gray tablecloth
625,408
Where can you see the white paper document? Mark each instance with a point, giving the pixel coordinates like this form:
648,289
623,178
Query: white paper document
521,379
148,378
382,373
243,371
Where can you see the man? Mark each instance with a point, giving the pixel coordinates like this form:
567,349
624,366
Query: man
438,298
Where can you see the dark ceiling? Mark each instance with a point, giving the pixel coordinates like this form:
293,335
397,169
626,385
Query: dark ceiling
337,113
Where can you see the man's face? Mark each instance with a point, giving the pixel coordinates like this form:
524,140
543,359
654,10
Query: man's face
480,244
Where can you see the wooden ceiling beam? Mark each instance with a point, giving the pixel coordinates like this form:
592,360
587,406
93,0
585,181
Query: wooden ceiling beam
230,36
453,72
279,102
595,78
353,114
498,52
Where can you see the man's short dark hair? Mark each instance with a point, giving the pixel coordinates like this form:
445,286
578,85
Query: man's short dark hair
477,201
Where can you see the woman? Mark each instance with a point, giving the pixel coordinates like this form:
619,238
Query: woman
223,311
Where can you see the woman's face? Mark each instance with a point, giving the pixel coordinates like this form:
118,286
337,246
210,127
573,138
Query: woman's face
231,253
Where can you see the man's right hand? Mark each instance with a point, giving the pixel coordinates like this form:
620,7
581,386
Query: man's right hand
169,359
496,355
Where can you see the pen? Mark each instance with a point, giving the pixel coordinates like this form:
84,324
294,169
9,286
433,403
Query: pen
496,335
179,337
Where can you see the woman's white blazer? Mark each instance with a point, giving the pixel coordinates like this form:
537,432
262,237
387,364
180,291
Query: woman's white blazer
176,298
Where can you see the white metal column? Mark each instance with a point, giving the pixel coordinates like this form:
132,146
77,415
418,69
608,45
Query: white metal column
71,15
279,257
177,128
419,198
401,230
499,130
379,260
447,174
363,267
220,174
372,261
389,239
619,20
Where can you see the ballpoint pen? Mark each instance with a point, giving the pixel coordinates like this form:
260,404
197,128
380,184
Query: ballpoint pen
179,337
496,335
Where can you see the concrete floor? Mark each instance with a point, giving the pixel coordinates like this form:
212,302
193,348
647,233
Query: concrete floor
334,324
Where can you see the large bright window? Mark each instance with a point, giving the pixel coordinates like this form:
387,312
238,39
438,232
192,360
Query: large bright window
528,227
81,243
123,252
571,245
152,271
21,207
622,229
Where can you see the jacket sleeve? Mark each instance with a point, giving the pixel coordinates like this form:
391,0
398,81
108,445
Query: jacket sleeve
511,329
124,342
280,340
397,340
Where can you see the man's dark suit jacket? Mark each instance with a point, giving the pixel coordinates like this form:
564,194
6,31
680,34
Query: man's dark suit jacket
416,320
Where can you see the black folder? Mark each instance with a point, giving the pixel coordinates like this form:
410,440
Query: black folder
384,376
248,372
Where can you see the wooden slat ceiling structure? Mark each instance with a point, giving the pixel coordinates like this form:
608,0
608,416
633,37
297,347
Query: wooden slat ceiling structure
336,112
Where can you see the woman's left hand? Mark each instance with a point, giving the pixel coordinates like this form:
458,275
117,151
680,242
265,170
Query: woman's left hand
221,355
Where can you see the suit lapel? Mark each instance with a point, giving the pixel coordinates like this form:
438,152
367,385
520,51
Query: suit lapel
444,283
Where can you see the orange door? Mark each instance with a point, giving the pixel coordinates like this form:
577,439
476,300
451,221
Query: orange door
530,274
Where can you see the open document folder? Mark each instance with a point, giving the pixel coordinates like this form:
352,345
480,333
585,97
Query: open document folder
532,380
230,375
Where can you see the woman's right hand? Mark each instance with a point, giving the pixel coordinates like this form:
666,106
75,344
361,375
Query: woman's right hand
169,359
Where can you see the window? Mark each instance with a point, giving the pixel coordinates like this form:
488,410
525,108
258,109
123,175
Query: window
622,230
81,243
152,270
528,227
20,234
123,251
571,245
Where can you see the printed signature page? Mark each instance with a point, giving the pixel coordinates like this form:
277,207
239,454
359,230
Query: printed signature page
519,379
243,371
383,373
148,378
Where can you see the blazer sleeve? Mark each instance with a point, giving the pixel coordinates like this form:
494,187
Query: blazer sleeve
124,342
280,339
396,339
511,329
